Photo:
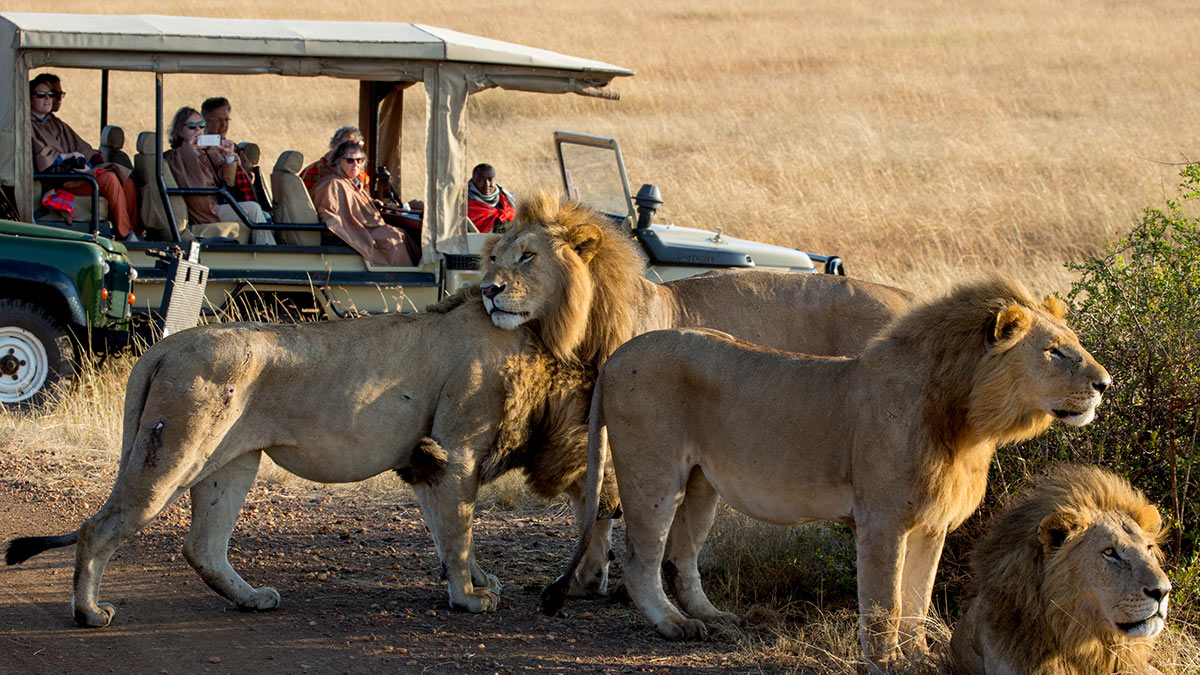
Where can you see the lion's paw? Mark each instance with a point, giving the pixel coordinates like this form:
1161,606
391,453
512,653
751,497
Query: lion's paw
729,618
476,601
493,584
97,618
263,599
683,629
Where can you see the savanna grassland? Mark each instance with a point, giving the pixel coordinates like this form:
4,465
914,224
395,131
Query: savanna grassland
925,142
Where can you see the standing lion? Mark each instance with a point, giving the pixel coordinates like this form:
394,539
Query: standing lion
895,443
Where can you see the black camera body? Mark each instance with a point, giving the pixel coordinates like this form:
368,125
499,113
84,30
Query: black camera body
75,163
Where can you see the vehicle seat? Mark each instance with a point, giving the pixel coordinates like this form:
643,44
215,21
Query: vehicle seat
112,140
262,191
83,207
292,202
154,215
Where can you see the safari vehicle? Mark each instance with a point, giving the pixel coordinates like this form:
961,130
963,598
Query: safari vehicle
386,59
58,290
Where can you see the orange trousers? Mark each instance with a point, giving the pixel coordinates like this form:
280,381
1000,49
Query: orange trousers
122,200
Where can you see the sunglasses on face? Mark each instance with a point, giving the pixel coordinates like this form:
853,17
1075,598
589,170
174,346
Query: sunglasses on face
195,125
354,160
49,94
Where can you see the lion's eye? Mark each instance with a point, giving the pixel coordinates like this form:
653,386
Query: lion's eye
526,256
1057,353
1111,554
491,258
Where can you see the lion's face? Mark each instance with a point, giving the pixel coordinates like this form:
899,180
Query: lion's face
1066,380
1105,574
1039,369
521,278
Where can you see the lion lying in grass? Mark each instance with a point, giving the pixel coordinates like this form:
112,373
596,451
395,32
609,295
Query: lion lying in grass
446,399
896,443
1068,580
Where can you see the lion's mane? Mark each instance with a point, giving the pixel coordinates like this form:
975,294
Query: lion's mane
1016,581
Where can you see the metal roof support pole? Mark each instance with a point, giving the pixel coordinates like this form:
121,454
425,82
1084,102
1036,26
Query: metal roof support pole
158,156
103,99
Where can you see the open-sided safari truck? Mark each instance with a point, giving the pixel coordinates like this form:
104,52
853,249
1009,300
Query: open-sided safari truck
386,59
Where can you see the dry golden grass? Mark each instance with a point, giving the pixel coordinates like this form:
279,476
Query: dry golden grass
924,142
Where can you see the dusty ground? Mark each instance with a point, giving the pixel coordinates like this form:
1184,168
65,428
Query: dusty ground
359,579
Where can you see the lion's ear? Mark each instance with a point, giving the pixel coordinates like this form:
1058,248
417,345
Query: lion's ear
1010,324
1055,306
1056,527
585,241
1149,520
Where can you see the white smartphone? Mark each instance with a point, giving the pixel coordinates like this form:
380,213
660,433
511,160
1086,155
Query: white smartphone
208,140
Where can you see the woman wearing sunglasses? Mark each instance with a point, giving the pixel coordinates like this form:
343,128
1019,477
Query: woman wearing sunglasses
58,149
346,210
208,167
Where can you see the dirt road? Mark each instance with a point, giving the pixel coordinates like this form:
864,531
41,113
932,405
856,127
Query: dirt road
359,578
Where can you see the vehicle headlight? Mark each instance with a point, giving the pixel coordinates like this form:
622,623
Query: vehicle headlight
104,266
132,273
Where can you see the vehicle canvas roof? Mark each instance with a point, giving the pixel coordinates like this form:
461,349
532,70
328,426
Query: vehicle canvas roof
262,37
452,66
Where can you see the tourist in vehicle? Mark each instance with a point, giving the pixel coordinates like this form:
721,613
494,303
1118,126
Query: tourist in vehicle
347,211
208,167
217,113
489,206
58,149
312,172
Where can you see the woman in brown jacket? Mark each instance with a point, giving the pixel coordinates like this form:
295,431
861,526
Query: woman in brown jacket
346,210
58,149
207,167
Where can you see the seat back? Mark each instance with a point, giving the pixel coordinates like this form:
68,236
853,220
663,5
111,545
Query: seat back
262,191
292,203
112,140
154,216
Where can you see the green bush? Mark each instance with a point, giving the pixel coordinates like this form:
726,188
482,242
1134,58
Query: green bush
1137,310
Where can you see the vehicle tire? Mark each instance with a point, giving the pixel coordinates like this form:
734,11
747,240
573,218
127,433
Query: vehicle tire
36,354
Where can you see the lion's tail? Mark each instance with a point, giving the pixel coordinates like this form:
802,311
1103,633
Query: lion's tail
555,595
23,548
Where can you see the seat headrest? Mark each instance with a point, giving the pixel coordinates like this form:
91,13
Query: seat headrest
251,151
147,142
112,136
290,161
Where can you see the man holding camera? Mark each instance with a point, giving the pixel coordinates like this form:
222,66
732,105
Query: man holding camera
58,149
217,112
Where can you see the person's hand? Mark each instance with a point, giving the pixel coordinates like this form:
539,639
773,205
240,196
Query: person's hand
228,148
378,204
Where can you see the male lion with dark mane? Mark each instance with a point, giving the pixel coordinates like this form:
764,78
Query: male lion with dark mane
446,399
1069,582
569,275
895,443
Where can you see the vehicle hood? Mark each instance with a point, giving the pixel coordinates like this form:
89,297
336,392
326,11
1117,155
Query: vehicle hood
44,232
763,255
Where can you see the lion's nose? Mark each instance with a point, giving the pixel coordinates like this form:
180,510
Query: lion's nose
492,290
1157,594
1100,386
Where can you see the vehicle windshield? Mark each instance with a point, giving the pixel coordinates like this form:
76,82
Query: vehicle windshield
593,176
